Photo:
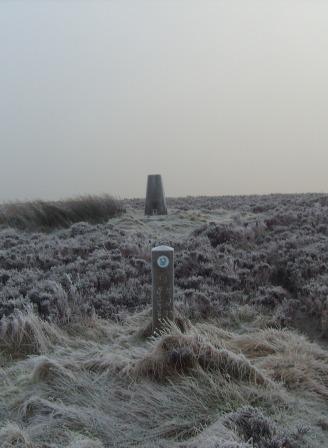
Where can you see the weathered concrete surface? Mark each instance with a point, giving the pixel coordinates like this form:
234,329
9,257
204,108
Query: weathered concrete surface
155,198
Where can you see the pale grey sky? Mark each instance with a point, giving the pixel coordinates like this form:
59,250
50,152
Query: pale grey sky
221,97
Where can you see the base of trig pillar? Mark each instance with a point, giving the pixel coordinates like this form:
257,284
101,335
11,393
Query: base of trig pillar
155,198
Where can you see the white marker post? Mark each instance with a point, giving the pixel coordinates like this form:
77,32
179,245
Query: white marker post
162,258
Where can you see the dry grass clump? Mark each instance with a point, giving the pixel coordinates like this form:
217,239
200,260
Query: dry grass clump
61,305
287,357
179,354
265,342
300,370
48,370
182,324
25,333
48,215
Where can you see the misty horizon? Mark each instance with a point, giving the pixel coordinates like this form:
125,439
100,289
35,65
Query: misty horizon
220,98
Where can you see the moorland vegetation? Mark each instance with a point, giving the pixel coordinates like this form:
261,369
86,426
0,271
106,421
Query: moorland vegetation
244,364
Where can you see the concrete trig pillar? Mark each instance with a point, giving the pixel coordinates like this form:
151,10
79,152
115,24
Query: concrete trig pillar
155,198
162,258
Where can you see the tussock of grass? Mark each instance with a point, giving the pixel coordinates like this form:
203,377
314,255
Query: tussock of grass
48,215
176,354
25,333
48,370
287,357
300,370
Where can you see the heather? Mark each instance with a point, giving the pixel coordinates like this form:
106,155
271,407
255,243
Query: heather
244,364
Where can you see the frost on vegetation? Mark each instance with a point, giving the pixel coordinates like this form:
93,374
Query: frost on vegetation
46,215
199,388
252,425
220,378
176,354
66,274
25,333
12,435
273,256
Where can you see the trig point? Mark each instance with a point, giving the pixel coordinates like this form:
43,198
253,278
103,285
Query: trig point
162,261
155,199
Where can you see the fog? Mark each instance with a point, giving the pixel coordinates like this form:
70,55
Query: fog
220,97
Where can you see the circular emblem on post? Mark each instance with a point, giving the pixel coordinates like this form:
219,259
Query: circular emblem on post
163,261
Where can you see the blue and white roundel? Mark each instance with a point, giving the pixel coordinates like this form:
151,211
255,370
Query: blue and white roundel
163,261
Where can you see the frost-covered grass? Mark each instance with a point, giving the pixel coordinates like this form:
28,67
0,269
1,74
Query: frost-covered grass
98,384
80,368
45,215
